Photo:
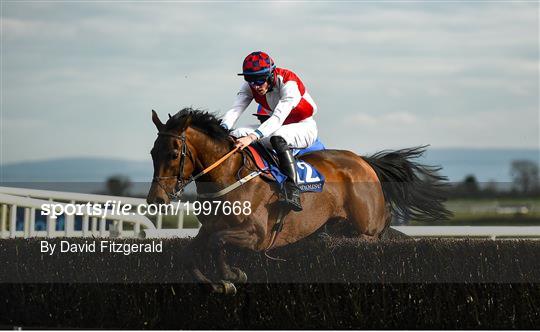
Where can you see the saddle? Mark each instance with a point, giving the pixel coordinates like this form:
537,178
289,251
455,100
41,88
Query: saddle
309,178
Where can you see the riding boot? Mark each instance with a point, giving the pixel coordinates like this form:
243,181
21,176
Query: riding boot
291,192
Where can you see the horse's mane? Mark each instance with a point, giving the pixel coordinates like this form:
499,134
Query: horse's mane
204,121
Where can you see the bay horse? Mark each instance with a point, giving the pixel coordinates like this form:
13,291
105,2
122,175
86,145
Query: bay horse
363,191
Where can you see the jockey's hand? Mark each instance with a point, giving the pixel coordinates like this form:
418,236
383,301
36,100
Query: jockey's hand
243,142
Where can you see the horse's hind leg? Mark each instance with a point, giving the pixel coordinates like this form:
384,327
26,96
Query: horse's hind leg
366,210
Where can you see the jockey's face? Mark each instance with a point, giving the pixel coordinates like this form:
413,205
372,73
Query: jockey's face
261,89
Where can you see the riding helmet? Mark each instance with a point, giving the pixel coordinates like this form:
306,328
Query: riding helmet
257,64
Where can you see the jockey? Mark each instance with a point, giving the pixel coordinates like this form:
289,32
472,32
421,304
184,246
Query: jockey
289,123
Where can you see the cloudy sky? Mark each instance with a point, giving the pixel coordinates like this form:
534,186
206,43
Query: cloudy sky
80,78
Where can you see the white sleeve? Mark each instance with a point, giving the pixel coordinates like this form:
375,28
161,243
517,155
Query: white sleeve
242,101
290,97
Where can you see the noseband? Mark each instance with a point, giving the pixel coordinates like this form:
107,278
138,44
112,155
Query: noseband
181,183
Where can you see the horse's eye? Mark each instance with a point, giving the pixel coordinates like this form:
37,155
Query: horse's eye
174,154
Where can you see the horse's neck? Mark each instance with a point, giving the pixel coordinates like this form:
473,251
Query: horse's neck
208,152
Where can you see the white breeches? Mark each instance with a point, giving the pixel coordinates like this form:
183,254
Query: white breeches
298,135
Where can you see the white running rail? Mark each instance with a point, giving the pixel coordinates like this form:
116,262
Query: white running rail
92,225
73,198
140,226
492,232
31,200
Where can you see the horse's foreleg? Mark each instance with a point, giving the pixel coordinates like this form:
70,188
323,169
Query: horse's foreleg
191,253
240,237
230,273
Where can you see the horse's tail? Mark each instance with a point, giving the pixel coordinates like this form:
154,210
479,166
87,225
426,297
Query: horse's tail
414,191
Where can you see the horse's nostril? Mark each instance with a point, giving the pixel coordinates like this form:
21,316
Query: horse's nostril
159,200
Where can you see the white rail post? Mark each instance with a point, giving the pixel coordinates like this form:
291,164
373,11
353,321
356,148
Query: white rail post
51,223
26,227
159,221
32,222
102,226
12,221
181,220
3,219
113,229
137,229
51,226
94,225
85,225
69,225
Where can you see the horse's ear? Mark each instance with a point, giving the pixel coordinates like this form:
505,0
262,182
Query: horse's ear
157,121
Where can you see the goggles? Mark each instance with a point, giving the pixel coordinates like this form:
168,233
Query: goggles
256,80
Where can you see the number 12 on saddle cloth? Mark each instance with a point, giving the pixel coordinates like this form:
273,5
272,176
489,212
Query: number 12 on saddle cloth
309,178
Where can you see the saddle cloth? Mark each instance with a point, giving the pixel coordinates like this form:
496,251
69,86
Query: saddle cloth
309,178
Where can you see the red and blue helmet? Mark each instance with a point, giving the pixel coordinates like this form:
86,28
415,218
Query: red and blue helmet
257,65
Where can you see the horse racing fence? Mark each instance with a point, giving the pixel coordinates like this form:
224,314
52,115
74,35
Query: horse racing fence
21,215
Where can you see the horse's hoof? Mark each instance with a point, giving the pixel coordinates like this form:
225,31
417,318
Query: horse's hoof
228,288
241,276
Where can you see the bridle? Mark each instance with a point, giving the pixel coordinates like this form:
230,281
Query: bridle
181,182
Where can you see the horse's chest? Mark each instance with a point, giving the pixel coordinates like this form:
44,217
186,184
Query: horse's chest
218,222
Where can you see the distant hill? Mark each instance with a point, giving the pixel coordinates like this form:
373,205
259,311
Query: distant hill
84,175
485,164
76,170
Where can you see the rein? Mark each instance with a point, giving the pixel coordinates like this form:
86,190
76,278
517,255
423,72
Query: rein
181,183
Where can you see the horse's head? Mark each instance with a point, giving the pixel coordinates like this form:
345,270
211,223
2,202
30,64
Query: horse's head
173,162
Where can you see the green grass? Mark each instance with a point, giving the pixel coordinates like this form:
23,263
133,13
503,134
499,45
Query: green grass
482,212
171,221
484,221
